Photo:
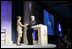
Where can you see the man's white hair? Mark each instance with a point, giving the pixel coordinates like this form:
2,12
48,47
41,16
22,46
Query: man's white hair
33,16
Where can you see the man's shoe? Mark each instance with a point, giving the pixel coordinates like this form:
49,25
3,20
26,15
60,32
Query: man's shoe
29,44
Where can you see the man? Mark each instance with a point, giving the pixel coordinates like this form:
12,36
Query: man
30,30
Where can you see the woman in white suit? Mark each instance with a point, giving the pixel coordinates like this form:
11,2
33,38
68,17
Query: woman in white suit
19,29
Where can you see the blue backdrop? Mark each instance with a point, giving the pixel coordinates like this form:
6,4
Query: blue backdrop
49,22
59,29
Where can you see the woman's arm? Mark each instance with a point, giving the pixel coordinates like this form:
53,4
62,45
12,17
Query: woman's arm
21,24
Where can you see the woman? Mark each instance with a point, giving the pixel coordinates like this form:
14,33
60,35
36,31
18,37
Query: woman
19,29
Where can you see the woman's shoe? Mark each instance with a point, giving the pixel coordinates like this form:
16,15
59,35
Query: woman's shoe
18,44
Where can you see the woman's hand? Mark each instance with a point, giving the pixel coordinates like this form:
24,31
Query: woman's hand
26,24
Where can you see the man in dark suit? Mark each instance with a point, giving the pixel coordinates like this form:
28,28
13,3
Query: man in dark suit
30,30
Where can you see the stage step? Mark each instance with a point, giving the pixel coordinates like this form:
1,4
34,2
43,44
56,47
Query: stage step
29,46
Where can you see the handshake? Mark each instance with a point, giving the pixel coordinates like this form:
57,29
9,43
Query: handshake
25,25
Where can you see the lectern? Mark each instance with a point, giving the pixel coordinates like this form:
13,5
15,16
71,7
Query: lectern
42,34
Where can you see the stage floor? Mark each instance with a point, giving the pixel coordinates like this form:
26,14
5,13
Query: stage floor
29,46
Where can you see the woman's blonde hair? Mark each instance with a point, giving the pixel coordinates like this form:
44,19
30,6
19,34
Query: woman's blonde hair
18,17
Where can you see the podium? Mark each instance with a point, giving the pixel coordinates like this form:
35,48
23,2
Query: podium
42,34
